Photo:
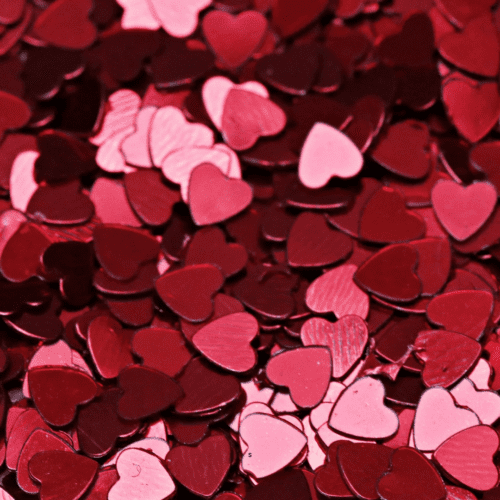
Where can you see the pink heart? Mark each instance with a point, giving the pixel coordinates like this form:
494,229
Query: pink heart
345,338
327,153
137,14
485,404
22,179
360,411
437,418
225,198
142,475
265,436
109,156
305,371
134,147
335,291
463,210
468,457
226,341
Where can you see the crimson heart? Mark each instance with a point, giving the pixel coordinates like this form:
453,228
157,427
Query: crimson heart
15,112
484,158
202,468
313,243
145,392
390,274
65,24
291,16
54,468
448,356
177,289
57,391
234,38
225,198
385,219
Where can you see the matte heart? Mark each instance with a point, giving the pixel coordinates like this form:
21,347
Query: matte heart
177,288
327,153
360,411
121,250
474,49
54,468
437,418
412,476
468,457
313,243
142,475
404,149
135,146
472,107
145,392
291,16
385,219
265,436
485,404
305,371
248,116
226,341
462,311
461,12
272,487
346,340
234,38
225,198
448,356
212,457
390,274
335,291
57,391
65,24
475,204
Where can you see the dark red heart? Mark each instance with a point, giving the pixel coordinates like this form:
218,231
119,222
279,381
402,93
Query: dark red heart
329,480
291,16
15,112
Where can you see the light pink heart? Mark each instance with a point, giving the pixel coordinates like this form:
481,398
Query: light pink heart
135,147
137,14
22,179
109,156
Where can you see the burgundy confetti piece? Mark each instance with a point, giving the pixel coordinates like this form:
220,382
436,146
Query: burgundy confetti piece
291,18
15,112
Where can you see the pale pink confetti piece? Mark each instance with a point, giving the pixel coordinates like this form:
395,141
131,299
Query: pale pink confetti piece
109,156
111,204
178,165
253,395
282,403
250,410
321,414
315,455
485,404
22,179
360,411
170,131
214,93
294,420
163,265
124,104
234,171
437,418
178,18
327,153
135,147
272,444
411,444
335,291
158,447
327,436
481,375
4,495
10,221
137,14
142,475
157,430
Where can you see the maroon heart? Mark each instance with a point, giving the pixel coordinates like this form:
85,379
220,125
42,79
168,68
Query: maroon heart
177,289
484,157
390,274
291,16
313,243
57,391
329,480
145,392
212,457
15,112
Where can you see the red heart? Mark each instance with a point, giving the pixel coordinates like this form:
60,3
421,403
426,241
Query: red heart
461,12
226,341
145,392
248,116
390,274
448,356
15,112
313,243
463,210
474,49
484,157
234,38
225,198
468,457
177,289
291,16
411,477
305,371
385,219
57,391
462,311
472,107
55,468
65,24
212,456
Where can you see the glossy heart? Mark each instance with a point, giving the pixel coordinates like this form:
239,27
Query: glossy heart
485,404
15,112
291,17
22,184
346,340
135,146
